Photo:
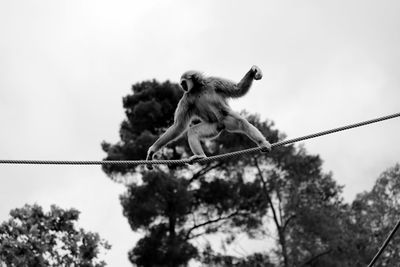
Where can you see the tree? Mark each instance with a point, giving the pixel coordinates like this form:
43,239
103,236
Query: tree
375,213
176,204
32,237
305,205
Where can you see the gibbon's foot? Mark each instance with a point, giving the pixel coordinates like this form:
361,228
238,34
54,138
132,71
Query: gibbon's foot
265,148
149,167
194,158
149,158
257,72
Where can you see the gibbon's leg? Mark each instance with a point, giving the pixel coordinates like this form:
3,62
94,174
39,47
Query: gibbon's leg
198,132
237,124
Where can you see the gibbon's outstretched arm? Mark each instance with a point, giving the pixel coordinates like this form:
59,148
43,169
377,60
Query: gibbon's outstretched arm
230,89
181,122
204,98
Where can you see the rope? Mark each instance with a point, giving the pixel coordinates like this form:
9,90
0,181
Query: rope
204,160
382,248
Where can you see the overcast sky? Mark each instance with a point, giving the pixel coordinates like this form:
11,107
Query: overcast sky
65,66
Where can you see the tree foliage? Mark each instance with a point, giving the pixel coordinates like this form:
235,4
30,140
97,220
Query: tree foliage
32,237
149,111
210,258
374,214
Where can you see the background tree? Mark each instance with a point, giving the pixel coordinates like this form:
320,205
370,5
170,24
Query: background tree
32,237
375,213
306,207
173,205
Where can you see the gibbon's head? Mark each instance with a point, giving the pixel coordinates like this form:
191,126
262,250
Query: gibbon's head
190,79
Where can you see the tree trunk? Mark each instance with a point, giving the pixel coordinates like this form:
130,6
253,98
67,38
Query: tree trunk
171,229
279,225
282,242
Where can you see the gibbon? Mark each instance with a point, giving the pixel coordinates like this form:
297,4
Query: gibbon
205,99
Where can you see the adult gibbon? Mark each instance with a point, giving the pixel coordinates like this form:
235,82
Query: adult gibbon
205,98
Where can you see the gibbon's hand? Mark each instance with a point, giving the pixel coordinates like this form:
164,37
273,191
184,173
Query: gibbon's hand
150,155
194,158
257,72
266,147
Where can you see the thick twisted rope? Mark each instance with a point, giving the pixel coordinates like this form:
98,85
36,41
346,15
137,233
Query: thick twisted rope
204,160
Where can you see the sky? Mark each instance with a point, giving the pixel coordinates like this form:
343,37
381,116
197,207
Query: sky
65,66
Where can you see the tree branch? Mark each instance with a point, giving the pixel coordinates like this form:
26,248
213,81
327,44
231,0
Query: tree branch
275,216
210,222
278,196
204,170
287,222
279,227
313,258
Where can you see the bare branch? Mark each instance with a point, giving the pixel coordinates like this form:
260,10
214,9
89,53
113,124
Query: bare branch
287,222
197,235
313,258
204,170
210,222
275,216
